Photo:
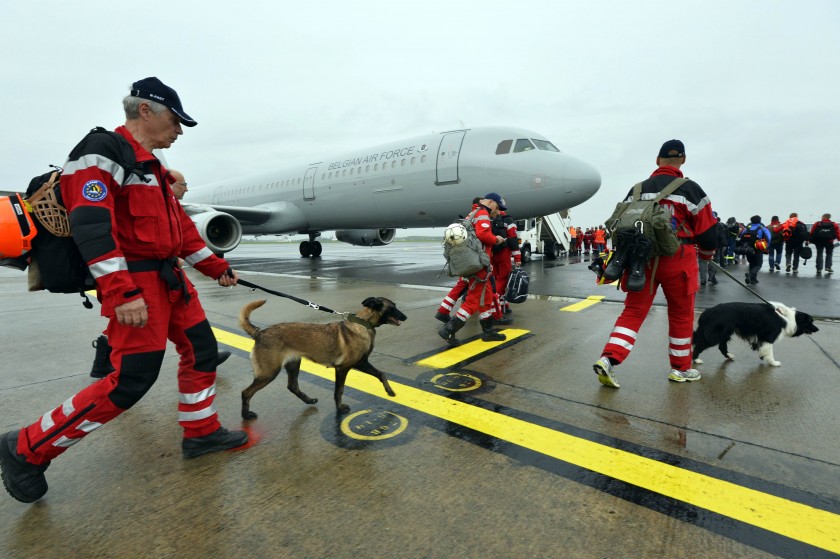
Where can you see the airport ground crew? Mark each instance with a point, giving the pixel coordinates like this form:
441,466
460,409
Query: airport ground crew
601,240
505,256
480,293
131,232
678,274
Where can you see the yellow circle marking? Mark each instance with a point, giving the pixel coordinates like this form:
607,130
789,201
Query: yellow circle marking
382,432
476,386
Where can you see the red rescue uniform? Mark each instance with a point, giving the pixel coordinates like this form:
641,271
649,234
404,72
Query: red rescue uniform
131,231
677,274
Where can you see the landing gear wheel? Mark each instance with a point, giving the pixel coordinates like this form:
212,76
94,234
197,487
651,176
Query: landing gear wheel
315,247
305,249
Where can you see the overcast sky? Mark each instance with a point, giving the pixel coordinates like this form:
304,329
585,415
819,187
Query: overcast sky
751,87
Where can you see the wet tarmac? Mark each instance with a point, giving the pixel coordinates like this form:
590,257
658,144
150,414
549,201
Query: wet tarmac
506,449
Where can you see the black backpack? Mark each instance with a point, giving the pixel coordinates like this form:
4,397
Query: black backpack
56,263
800,231
746,244
517,286
824,232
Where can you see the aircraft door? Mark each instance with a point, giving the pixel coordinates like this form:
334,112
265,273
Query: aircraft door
447,157
309,184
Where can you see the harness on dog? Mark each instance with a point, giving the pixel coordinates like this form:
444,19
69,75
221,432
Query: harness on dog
298,300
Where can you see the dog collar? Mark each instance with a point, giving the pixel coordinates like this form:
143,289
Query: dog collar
363,322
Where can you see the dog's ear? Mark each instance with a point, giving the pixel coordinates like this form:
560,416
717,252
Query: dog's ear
373,303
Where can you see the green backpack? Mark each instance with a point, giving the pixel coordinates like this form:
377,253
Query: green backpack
647,217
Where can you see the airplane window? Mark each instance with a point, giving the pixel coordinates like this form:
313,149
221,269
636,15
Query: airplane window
413,159
376,167
422,159
402,163
393,164
367,169
503,147
544,145
523,144
351,171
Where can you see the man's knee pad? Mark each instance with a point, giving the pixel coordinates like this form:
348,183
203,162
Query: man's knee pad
204,346
138,372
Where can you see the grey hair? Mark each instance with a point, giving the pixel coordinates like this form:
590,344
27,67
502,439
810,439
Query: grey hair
132,106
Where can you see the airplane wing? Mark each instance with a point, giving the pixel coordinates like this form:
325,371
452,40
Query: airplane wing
248,216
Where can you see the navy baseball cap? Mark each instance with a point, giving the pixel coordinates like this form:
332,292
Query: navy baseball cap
672,148
155,90
498,199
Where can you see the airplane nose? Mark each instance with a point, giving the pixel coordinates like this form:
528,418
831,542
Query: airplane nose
582,180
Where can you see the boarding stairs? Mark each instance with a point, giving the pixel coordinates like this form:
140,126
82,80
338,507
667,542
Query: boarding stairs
558,224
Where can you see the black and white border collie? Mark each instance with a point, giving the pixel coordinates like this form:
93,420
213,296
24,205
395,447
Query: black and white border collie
759,324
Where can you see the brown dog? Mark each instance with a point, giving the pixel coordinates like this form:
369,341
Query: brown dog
343,345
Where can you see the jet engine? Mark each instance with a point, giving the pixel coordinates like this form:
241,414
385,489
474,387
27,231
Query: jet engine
222,232
366,237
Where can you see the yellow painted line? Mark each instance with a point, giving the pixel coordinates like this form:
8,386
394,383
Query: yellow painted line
450,357
797,521
585,304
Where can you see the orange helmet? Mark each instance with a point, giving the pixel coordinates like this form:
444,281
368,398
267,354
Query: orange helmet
16,227
761,245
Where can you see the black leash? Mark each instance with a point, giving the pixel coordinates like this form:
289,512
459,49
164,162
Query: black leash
292,297
719,267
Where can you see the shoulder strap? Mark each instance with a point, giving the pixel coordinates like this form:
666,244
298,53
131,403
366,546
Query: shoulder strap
672,186
668,190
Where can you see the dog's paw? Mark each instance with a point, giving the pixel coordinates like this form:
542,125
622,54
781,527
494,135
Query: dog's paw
775,363
698,361
730,356
343,408
309,400
248,416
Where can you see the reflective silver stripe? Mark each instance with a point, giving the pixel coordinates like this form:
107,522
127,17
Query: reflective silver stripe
88,426
621,342
209,411
197,257
108,266
679,341
624,332
679,352
47,422
134,180
65,442
67,407
95,160
197,397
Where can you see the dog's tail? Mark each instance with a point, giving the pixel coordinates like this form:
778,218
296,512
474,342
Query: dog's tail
244,317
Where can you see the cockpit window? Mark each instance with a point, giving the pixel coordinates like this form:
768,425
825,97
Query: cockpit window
504,147
544,145
523,144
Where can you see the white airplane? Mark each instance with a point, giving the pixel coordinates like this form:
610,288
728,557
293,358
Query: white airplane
365,195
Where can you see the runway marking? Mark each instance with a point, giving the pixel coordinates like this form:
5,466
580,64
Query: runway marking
451,357
585,304
797,521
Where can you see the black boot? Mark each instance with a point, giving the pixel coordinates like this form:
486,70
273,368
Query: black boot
102,361
447,331
441,316
621,255
221,357
504,321
488,334
641,252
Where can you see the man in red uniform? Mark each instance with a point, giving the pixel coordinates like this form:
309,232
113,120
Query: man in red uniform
479,291
694,223
131,231
504,257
